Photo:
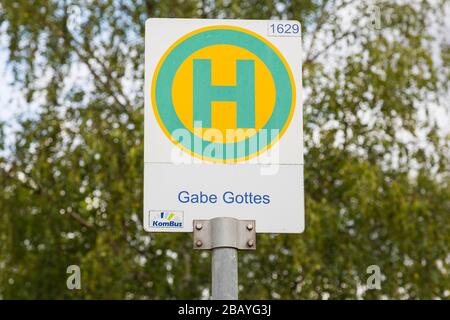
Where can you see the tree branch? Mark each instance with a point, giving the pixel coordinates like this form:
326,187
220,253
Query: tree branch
328,46
78,218
322,18
85,57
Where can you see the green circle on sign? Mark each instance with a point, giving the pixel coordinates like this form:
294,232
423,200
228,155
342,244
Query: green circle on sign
284,98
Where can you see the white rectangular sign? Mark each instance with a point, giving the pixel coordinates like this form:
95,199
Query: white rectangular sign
223,124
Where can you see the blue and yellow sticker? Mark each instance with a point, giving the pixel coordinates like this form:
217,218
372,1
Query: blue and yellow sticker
223,94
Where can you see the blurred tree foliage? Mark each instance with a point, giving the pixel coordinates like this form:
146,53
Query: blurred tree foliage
377,165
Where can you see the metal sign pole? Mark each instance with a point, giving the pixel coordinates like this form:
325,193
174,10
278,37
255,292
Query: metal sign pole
224,236
224,274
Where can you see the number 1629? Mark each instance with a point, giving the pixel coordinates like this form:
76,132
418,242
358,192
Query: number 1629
291,29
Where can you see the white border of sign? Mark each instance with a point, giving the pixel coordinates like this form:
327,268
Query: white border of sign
164,180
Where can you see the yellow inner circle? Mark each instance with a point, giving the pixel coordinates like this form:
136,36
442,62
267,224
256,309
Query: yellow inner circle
223,120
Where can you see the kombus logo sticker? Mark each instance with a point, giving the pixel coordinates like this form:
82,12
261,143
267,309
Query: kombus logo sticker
166,219
223,94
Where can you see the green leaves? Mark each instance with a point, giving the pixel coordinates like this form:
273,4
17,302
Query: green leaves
376,164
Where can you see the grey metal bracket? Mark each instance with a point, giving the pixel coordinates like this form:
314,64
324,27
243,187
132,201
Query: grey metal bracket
224,232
